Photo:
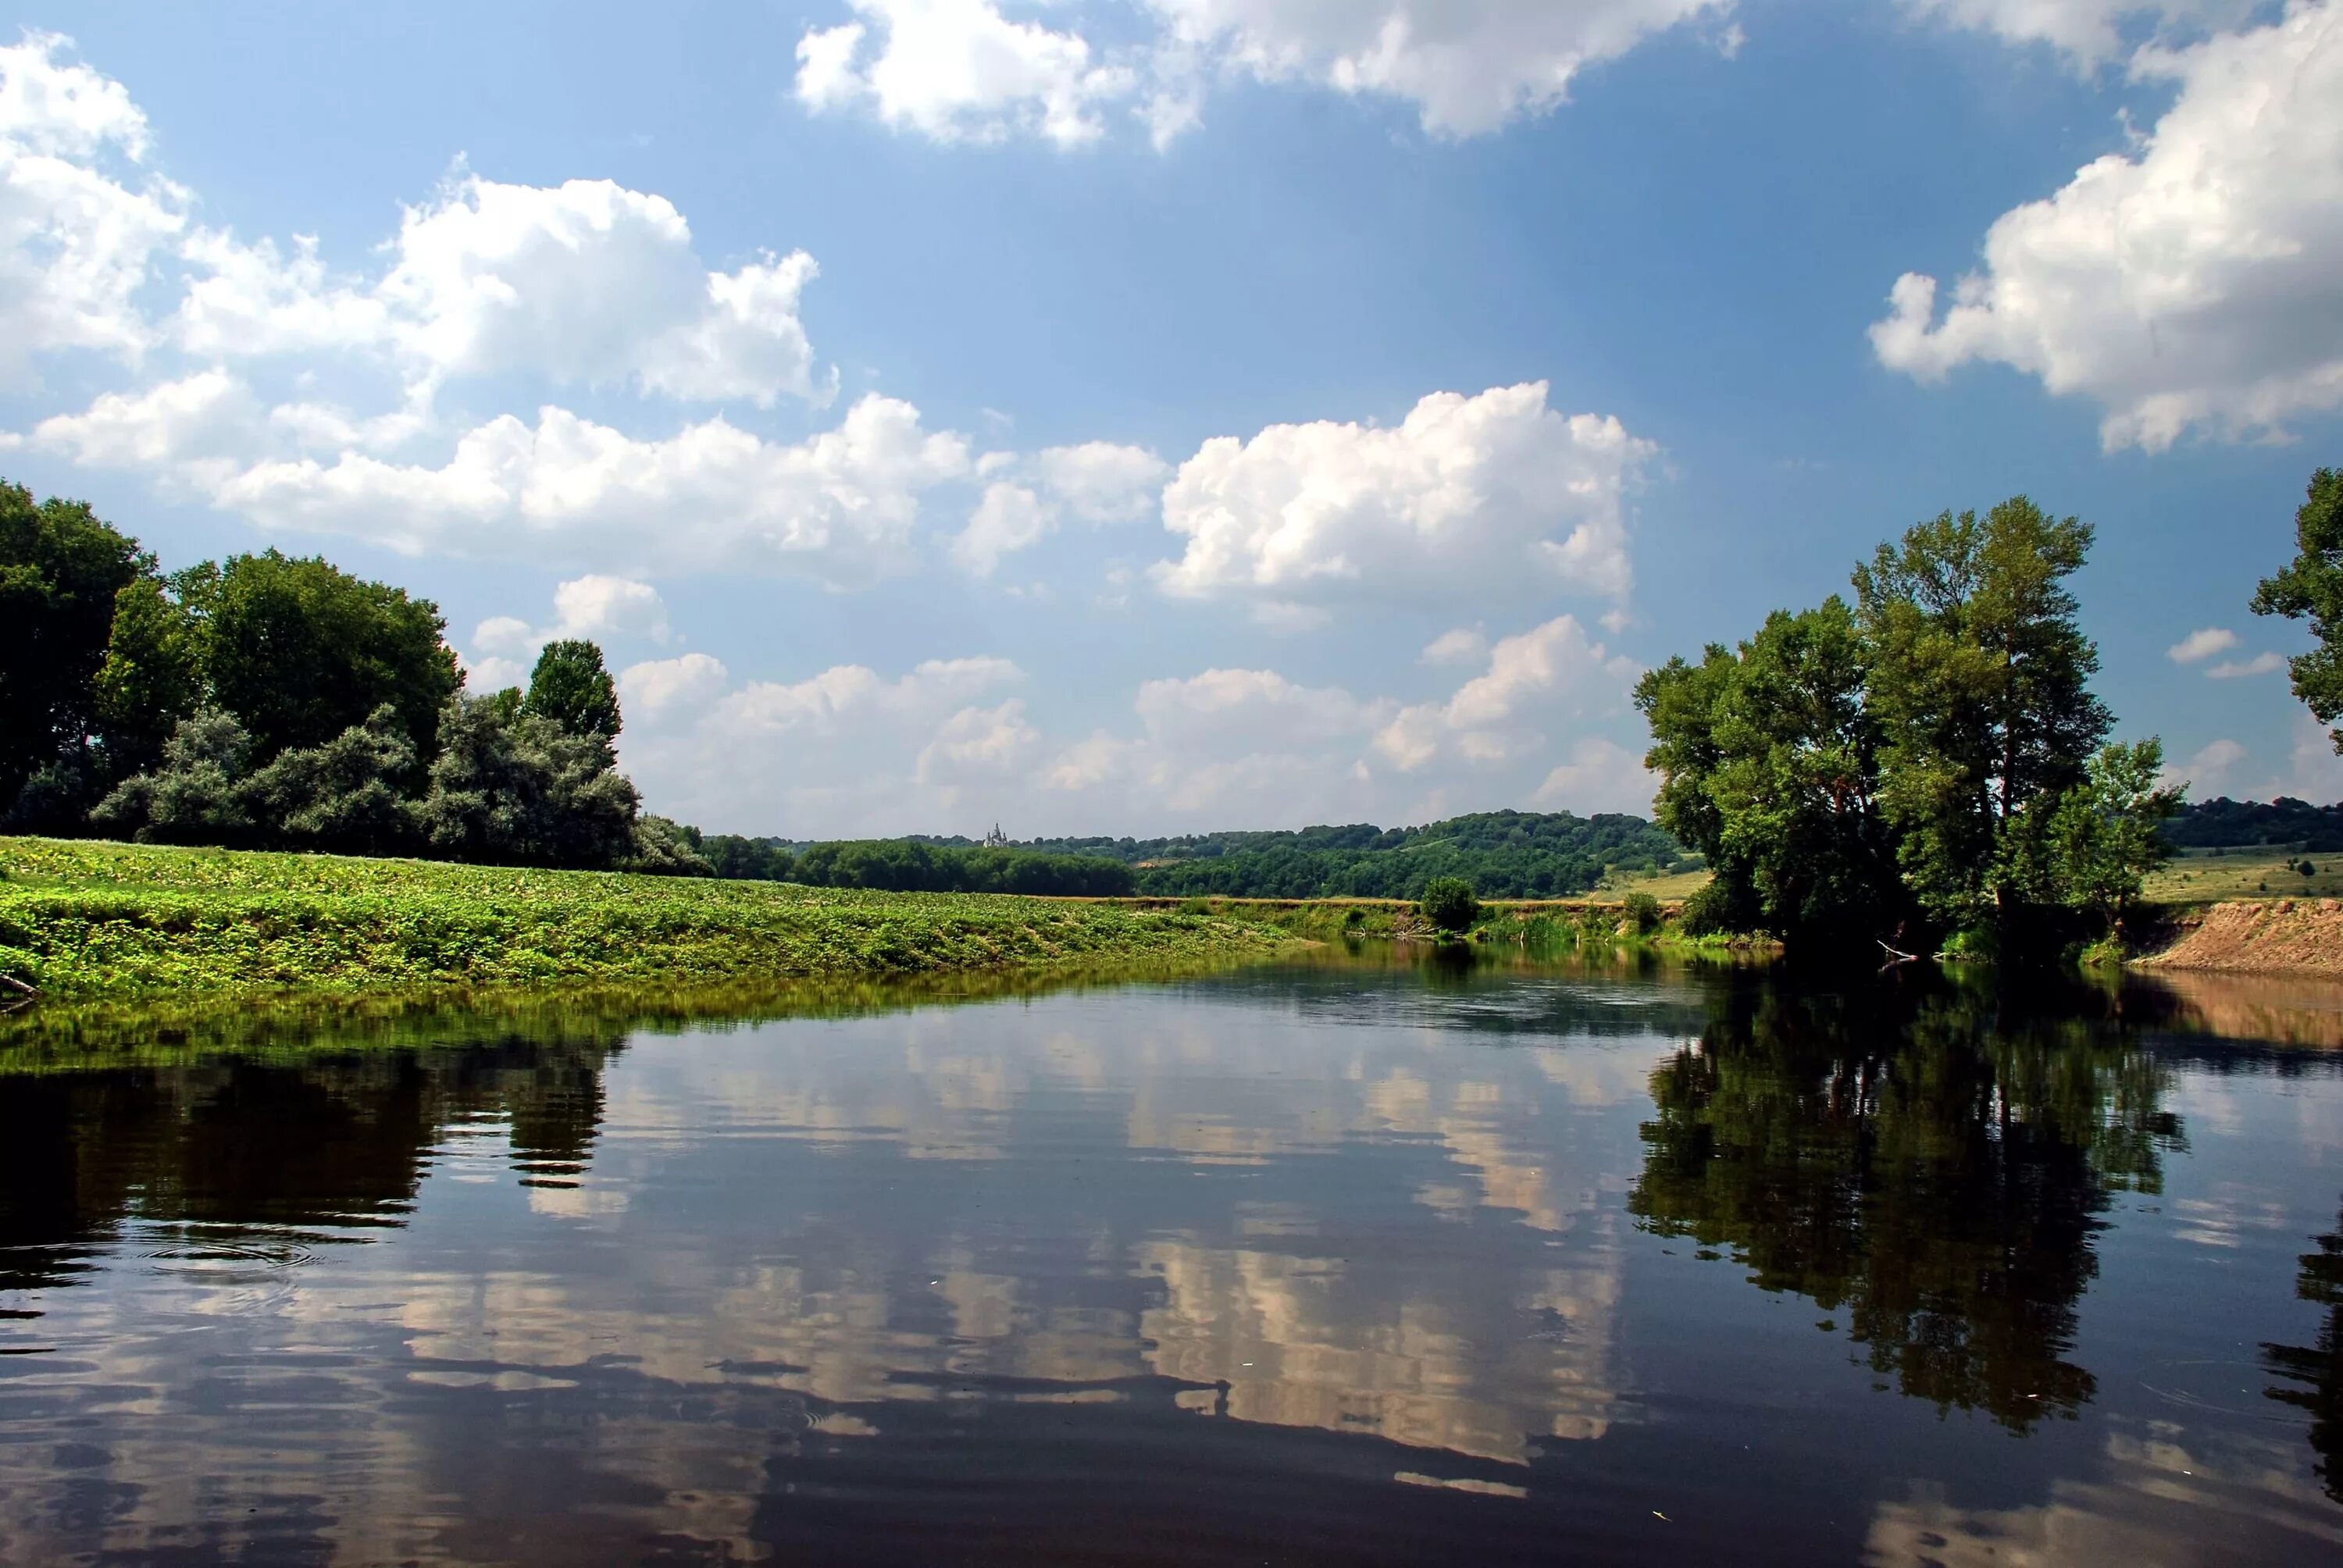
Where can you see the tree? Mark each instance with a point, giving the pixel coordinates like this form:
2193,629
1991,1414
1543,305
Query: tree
153,675
2311,587
194,795
1980,687
343,795
571,687
1450,904
523,791
1642,912
300,651
1769,766
2105,834
61,567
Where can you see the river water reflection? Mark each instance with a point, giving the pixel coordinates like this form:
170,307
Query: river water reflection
1365,1258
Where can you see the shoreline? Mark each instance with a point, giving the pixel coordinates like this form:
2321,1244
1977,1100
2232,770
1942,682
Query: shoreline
86,921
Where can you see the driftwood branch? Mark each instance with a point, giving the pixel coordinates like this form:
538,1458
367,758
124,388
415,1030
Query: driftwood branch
19,987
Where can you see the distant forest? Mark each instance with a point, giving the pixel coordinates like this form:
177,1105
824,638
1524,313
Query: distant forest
1503,854
2222,823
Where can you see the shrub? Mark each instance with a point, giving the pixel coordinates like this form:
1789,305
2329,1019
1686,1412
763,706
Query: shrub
1450,904
1708,912
1643,912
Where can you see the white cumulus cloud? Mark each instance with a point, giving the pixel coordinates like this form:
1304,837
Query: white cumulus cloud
1551,673
2236,668
2189,286
1467,498
2201,644
2090,31
81,219
586,282
967,71
1467,66
1096,482
959,70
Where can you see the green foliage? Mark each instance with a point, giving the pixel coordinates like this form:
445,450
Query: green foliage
571,687
2310,587
95,919
524,791
1504,854
1770,767
1641,914
1718,907
300,651
667,847
1980,687
195,795
1450,904
903,865
153,676
1926,758
344,795
61,568
746,860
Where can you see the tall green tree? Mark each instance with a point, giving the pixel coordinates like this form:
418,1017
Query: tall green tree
300,651
2311,589
61,567
153,676
571,687
1980,685
1769,766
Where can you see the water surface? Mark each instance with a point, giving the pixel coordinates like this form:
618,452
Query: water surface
1372,1260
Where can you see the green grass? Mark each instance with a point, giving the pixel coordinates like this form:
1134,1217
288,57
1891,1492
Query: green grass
101,921
2208,878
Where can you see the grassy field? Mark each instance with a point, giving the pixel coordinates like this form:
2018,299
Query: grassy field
86,921
2203,879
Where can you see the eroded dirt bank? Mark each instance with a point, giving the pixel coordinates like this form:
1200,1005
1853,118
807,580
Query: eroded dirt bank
2274,936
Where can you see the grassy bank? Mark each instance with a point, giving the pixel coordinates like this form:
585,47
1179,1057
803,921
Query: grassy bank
86,921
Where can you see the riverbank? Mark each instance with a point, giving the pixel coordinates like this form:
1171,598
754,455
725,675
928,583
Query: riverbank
2263,936
86,920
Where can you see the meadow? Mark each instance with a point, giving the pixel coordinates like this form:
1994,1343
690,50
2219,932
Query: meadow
89,921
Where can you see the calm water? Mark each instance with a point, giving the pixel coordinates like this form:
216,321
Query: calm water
1383,1261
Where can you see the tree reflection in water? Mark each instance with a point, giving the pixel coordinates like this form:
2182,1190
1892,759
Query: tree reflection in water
1930,1167
2316,1372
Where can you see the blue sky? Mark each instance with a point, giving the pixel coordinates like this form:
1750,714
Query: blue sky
1122,417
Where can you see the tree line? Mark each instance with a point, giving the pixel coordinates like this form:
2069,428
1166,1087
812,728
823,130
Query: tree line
272,701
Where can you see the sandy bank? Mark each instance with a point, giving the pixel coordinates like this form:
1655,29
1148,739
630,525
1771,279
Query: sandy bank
2274,936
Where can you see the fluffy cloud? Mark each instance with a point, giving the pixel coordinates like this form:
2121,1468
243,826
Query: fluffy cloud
1467,66
603,609
585,282
1601,776
2090,31
1467,498
839,507
842,752
2201,644
2234,668
81,220
2189,286
961,70
951,746
1096,482
958,70
1553,672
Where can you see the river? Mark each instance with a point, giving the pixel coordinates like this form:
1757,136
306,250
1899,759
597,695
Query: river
1374,1257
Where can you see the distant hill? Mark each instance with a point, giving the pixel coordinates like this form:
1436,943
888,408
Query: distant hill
2222,823
1504,855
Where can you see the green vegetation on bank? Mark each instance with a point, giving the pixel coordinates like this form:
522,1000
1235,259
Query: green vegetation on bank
85,920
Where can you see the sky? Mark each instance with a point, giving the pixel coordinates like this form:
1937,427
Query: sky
1162,416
